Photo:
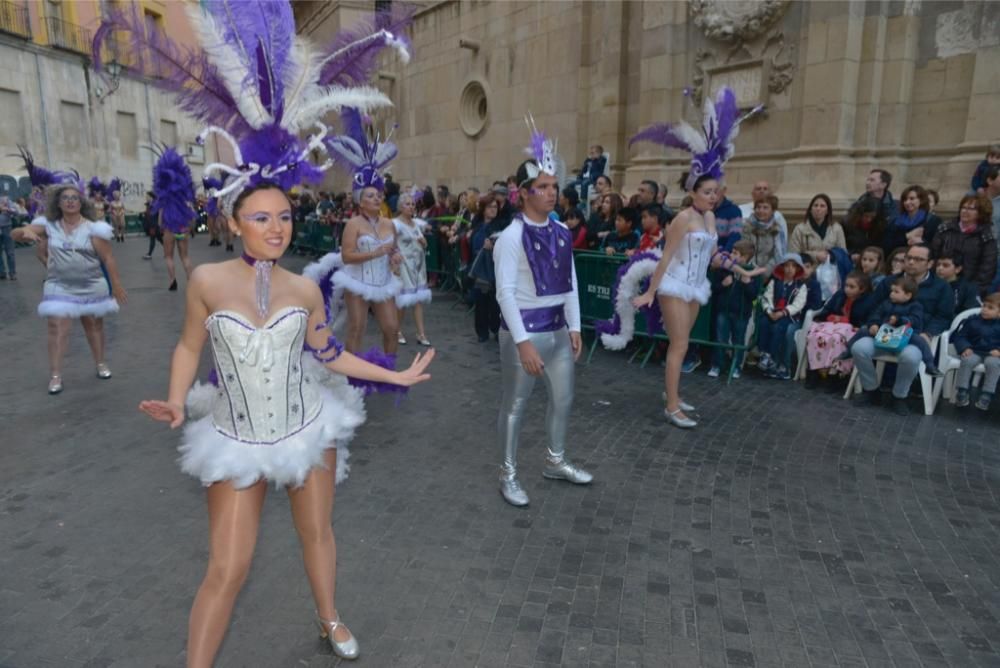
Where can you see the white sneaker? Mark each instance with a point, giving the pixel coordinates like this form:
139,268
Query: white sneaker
713,372
736,374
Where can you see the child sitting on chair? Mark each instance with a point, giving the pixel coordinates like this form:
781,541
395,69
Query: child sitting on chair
977,341
835,324
900,309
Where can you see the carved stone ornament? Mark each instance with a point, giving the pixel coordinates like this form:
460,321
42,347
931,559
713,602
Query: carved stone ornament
754,71
736,20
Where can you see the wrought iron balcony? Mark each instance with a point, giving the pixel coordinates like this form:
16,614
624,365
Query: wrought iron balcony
14,19
68,36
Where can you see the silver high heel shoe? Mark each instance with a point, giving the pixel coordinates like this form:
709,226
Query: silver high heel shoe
347,649
683,405
103,371
55,384
682,422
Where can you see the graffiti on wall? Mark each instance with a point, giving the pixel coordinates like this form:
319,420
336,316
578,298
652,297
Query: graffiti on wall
133,192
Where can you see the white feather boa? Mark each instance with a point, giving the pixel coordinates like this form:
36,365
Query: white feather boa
628,289
324,269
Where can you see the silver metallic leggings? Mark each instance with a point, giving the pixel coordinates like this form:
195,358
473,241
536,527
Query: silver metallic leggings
557,354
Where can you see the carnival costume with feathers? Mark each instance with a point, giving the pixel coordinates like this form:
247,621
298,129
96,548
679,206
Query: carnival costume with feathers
97,187
173,191
258,85
42,178
686,276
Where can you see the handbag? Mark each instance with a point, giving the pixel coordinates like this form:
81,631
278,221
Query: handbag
893,339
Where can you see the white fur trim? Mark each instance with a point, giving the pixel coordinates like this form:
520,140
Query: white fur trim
199,400
370,293
315,271
212,457
51,308
408,298
101,230
672,287
628,289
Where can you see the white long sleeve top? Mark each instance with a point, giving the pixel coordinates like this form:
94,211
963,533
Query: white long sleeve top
516,285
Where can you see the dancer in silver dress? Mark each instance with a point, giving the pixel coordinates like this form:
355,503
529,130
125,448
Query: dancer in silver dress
75,284
268,420
540,336
412,244
680,279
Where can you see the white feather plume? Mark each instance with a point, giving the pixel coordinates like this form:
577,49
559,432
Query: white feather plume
320,100
690,136
301,75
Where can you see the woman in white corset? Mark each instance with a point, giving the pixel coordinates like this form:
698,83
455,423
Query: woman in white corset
276,415
371,259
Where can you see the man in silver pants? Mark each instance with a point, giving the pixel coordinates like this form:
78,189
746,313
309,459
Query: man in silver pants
537,292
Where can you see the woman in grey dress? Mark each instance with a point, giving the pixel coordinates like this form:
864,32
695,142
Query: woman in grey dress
413,269
79,254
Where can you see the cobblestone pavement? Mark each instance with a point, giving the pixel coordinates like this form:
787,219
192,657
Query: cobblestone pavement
789,529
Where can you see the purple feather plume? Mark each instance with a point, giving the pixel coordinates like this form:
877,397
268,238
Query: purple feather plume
537,146
173,191
374,156
212,203
727,114
273,145
356,65
38,175
115,186
661,133
186,73
95,187
652,314
385,360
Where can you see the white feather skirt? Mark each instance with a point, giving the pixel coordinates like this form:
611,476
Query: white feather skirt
213,457
670,286
53,308
408,298
367,291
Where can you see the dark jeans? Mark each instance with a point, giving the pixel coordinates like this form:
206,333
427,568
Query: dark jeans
7,246
771,337
729,328
487,313
152,243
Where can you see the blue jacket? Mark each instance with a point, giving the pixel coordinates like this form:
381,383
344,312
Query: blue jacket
936,298
860,310
966,295
621,243
814,298
911,313
736,299
979,334
979,176
728,223
592,168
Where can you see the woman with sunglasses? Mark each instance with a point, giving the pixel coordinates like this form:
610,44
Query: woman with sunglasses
79,254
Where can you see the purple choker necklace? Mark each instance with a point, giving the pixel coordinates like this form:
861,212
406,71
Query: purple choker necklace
262,282
701,211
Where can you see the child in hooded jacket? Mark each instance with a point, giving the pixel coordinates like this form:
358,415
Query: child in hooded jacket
783,303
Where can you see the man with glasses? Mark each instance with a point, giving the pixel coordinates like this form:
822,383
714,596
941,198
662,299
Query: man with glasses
938,301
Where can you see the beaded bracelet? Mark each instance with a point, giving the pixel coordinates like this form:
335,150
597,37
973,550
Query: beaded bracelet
322,354
727,260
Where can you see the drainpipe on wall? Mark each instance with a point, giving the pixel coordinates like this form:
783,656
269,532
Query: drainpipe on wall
41,100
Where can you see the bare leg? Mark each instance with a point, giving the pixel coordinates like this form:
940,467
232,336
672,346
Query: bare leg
357,319
233,520
679,317
168,254
182,249
312,506
94,330
385,314
418,317
58,339
400,314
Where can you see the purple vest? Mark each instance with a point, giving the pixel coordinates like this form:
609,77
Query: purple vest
549,249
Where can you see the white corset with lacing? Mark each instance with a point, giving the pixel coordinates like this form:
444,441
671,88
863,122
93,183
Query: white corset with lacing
263,395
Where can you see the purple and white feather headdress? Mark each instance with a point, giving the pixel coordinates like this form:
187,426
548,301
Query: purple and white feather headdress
257,84
173,190
543,150
43,178
366,155
712,146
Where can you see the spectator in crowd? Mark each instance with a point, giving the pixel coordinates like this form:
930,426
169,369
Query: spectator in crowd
568,199
972,234
783,303
574,221
901,308
938,302
602,221
992,193
871,262
486,227
767,234
992,159
324,207
728,221
151,226
440,208
877,185
625,237
645,194
661,199
933,199
865,226
819,232
732,305
895,262
7,213
915,223
977,341
761,189
602,186
949,268
651,219
506,200
592,167
427,203
814,302
834,325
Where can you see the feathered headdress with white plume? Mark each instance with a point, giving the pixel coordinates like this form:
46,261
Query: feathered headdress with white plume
712,146
173,190
366,155
42,178
257,84
543,150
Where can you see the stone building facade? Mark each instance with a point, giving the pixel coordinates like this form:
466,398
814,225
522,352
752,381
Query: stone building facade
52,101
904,85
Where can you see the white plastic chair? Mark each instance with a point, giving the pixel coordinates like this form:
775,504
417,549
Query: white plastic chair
930,390
800,345
951,360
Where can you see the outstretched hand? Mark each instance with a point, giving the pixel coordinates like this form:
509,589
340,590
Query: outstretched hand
163,411
415,374
645,299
